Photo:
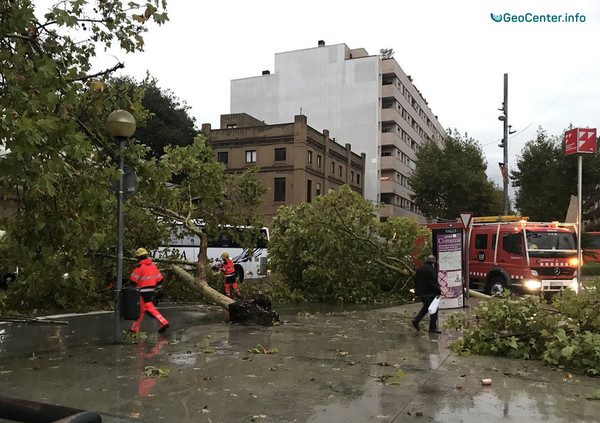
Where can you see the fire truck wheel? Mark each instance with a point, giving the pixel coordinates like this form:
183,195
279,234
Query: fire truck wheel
496,285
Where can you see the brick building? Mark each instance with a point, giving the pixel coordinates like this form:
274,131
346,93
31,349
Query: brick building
296,162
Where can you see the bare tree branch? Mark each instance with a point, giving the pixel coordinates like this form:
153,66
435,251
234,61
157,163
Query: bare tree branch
105,72
92,135
401,267
19,36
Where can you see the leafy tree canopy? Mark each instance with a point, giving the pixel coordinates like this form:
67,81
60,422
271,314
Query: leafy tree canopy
53,108
546,178
452,179
336,249
61,233
168,123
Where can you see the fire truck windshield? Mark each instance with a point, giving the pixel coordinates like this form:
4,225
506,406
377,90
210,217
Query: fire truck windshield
551,241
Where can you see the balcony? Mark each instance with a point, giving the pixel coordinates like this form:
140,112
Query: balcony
393,187
390,163
395,164
391,138
390,210
390,115
390,90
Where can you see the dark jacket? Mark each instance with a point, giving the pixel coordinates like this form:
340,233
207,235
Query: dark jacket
426,281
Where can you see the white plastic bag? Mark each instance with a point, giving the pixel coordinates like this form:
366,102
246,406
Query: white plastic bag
433,307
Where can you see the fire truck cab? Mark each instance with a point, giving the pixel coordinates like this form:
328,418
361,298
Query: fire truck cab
509,252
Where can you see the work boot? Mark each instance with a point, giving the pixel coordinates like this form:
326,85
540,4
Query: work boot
163,328
415,324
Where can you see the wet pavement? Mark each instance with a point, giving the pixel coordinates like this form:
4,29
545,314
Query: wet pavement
332,365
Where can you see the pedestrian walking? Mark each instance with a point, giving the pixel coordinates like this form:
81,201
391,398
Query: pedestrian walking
426,288
147,278
226,266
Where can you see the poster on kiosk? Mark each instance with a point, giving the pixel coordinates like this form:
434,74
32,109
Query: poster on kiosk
448,250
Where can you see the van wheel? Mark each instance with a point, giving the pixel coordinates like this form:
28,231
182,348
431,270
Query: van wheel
495,286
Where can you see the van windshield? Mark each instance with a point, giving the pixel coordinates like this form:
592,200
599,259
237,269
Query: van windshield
551,240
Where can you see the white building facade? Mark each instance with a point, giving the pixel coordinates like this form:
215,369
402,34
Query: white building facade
363,100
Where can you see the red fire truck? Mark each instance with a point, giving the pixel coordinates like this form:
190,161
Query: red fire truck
509,252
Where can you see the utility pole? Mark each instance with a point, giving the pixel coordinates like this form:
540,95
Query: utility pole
504,119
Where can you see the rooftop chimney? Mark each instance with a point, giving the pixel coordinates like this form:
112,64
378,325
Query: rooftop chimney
321,43
266,72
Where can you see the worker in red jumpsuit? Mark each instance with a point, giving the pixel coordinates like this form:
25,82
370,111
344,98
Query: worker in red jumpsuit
147,278
226,266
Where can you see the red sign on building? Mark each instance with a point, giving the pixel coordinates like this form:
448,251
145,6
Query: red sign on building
580,140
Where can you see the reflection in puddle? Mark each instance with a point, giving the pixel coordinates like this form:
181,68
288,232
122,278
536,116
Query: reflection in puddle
146,382
519,406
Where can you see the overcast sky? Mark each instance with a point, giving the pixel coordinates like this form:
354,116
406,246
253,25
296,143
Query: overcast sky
455,52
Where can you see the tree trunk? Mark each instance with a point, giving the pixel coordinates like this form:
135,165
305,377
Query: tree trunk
254,309
202,256
199,282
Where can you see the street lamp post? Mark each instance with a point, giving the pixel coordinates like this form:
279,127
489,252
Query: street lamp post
121,125
504,145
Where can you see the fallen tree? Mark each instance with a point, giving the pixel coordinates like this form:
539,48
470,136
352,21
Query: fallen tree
346,253
189,193
253,309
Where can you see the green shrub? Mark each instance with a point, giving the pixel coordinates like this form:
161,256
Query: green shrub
590,269
564,333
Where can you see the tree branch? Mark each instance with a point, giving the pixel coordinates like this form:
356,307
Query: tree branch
105,72
172,214
91,134
19,36
401,267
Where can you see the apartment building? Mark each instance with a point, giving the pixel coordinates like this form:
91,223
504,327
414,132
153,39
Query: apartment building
296,162
368,101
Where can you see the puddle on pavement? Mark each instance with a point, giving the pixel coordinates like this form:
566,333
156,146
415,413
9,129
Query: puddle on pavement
324,364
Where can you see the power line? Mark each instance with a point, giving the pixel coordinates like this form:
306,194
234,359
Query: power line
518,133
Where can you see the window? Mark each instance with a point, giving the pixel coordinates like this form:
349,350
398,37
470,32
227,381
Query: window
358,178
223,157
351,176
511,243
250,156
231,125
308,191
340,170
309,158
318,189
481,241
551,240
280,154
279,189
319,161
494,242
333,167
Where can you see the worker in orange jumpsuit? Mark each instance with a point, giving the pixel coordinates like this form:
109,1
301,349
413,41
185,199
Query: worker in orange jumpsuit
226,266
147,278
